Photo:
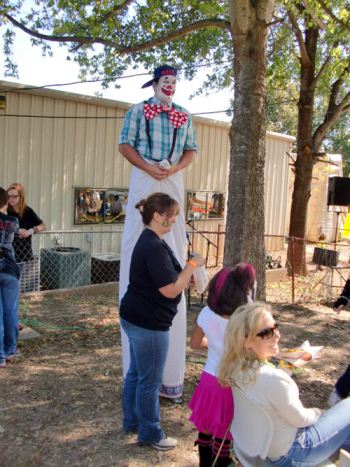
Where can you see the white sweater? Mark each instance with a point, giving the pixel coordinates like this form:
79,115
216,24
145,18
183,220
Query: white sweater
274,390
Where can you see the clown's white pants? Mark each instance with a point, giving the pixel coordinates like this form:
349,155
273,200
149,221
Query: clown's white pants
141,186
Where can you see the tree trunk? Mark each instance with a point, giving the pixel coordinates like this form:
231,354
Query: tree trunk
305,157
245,225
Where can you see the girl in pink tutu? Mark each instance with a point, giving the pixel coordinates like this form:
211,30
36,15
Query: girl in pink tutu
212,404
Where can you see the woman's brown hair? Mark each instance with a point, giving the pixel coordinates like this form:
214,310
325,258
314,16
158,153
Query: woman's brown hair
158,202
22,199
3,197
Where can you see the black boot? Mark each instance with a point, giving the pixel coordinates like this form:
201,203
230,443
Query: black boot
204,442
224,462
205,456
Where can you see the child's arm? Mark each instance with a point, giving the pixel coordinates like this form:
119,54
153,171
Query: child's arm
198,339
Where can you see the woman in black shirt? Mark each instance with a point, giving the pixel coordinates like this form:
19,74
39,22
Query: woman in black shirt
29,224
147,311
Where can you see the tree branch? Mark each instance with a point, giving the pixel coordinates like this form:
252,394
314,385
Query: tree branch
322,70
89,40
114,11
333,16
322,161
299,36
334,110
52,38
313,15
175,35
277,20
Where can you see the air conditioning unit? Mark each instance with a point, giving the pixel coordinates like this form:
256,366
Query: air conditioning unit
64,268
324,257
30,279
105,268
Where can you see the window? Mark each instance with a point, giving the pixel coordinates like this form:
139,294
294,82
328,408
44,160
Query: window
204,205
100,205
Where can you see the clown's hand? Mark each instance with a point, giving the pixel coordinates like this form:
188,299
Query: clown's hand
157,172
164,164
173,169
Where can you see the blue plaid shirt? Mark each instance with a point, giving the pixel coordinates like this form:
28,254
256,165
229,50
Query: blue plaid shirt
161,132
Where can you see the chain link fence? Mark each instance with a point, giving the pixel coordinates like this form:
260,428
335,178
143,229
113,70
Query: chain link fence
71,259
318,271
297,271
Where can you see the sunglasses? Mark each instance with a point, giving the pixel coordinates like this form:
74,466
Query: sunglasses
268,332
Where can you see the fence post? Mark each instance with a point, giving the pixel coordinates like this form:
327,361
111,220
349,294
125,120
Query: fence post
292,269
218,244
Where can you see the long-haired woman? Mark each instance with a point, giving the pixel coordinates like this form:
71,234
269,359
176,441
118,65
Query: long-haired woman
301,436
29,224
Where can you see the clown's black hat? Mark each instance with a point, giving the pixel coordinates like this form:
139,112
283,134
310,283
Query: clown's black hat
163,70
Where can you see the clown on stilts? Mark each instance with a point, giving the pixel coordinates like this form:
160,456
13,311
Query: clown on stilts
158,139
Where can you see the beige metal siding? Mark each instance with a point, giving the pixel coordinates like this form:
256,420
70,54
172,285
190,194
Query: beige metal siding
210,168
321,218
51,156
276,184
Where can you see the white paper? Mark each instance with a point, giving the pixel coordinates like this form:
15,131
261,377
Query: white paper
301,355
201,279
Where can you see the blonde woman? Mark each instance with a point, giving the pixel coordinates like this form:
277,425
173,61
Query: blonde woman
302,436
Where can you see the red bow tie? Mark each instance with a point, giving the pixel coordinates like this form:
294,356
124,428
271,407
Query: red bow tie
177,118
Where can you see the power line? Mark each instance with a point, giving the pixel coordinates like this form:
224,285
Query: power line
212,112
75,117
135,75
31,88
284,102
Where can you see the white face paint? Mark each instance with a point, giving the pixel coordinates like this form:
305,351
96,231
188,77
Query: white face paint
165,88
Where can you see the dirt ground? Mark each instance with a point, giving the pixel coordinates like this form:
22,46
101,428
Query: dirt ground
60,403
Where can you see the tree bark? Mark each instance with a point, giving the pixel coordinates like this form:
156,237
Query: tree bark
245,224
305,156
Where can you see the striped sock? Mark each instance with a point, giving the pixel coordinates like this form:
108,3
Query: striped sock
204,439
225,450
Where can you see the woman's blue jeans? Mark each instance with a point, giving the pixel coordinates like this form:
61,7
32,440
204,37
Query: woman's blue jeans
316,443
141,408
8,315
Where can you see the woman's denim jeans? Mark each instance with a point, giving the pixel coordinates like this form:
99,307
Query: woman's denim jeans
316,443
8,315
141,409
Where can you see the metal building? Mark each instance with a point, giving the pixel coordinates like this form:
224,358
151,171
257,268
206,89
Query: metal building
53,142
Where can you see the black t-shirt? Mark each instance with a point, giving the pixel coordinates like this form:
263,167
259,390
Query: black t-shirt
153,265
23,246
